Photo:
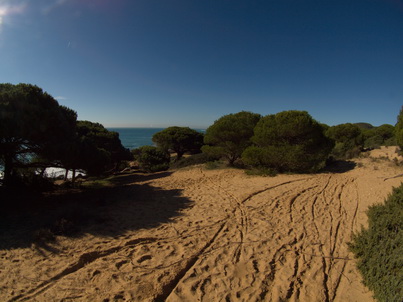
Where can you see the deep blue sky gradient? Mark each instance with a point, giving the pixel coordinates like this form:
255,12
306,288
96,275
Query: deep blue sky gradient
161,63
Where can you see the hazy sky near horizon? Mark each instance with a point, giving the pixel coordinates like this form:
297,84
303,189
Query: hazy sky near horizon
162,63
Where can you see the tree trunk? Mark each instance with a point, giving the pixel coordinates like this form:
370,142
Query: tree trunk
42,172
232,159
8,169
66,174
73,177
179,155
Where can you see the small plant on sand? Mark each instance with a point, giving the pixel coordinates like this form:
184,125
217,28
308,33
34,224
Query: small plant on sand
261,171
397,162
379,248
212,165
43,235
360,165
194,159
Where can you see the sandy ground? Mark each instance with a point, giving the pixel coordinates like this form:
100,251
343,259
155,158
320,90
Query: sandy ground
210,235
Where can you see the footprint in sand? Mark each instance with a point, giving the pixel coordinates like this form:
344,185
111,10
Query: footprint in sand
119,264
144,258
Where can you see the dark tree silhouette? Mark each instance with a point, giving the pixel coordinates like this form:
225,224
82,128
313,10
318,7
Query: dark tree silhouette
399,129
179,140
93,149
32,123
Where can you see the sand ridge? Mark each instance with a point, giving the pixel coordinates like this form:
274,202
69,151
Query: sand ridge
240,238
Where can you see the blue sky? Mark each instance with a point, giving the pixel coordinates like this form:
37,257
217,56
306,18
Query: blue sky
163,63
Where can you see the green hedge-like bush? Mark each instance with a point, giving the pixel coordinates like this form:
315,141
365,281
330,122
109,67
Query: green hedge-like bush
379,249
195,159
349,140
151,159
289,141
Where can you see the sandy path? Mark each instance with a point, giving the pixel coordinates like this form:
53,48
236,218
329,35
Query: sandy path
242,238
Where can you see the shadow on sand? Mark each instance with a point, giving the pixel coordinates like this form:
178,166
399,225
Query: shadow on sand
340,166
126,204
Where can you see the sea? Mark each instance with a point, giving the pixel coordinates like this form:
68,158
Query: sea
133,138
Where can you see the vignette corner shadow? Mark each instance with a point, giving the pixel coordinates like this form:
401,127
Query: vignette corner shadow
128,203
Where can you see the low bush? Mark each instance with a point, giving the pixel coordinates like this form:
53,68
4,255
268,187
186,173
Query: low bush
261,171
379,248
151,159
212,165
349,140
194,159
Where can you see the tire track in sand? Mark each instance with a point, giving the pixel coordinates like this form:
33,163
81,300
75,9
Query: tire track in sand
234,232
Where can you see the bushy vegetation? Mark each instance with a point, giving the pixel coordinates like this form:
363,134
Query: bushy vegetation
379,249
93,149
261,171
230,135
194,159
399,129
151,159
349,140
36,132
288,141
179,140
32,125
375,137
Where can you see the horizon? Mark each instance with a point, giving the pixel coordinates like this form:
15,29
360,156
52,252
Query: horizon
145,63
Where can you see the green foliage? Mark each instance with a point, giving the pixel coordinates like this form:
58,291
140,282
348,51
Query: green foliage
399,129
230,135
32,125
213,165
349,140
215,152
288,141
383,135
261,171
151,159
93,148
179,140
364,126
194,159
379,248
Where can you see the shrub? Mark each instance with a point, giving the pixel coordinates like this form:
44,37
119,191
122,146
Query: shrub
194,159
261,171
151,159
288,141
213,165
383,135
43,235
399,129
379,248
349,140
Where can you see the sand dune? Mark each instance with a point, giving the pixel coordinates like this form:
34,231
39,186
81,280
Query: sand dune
239,238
